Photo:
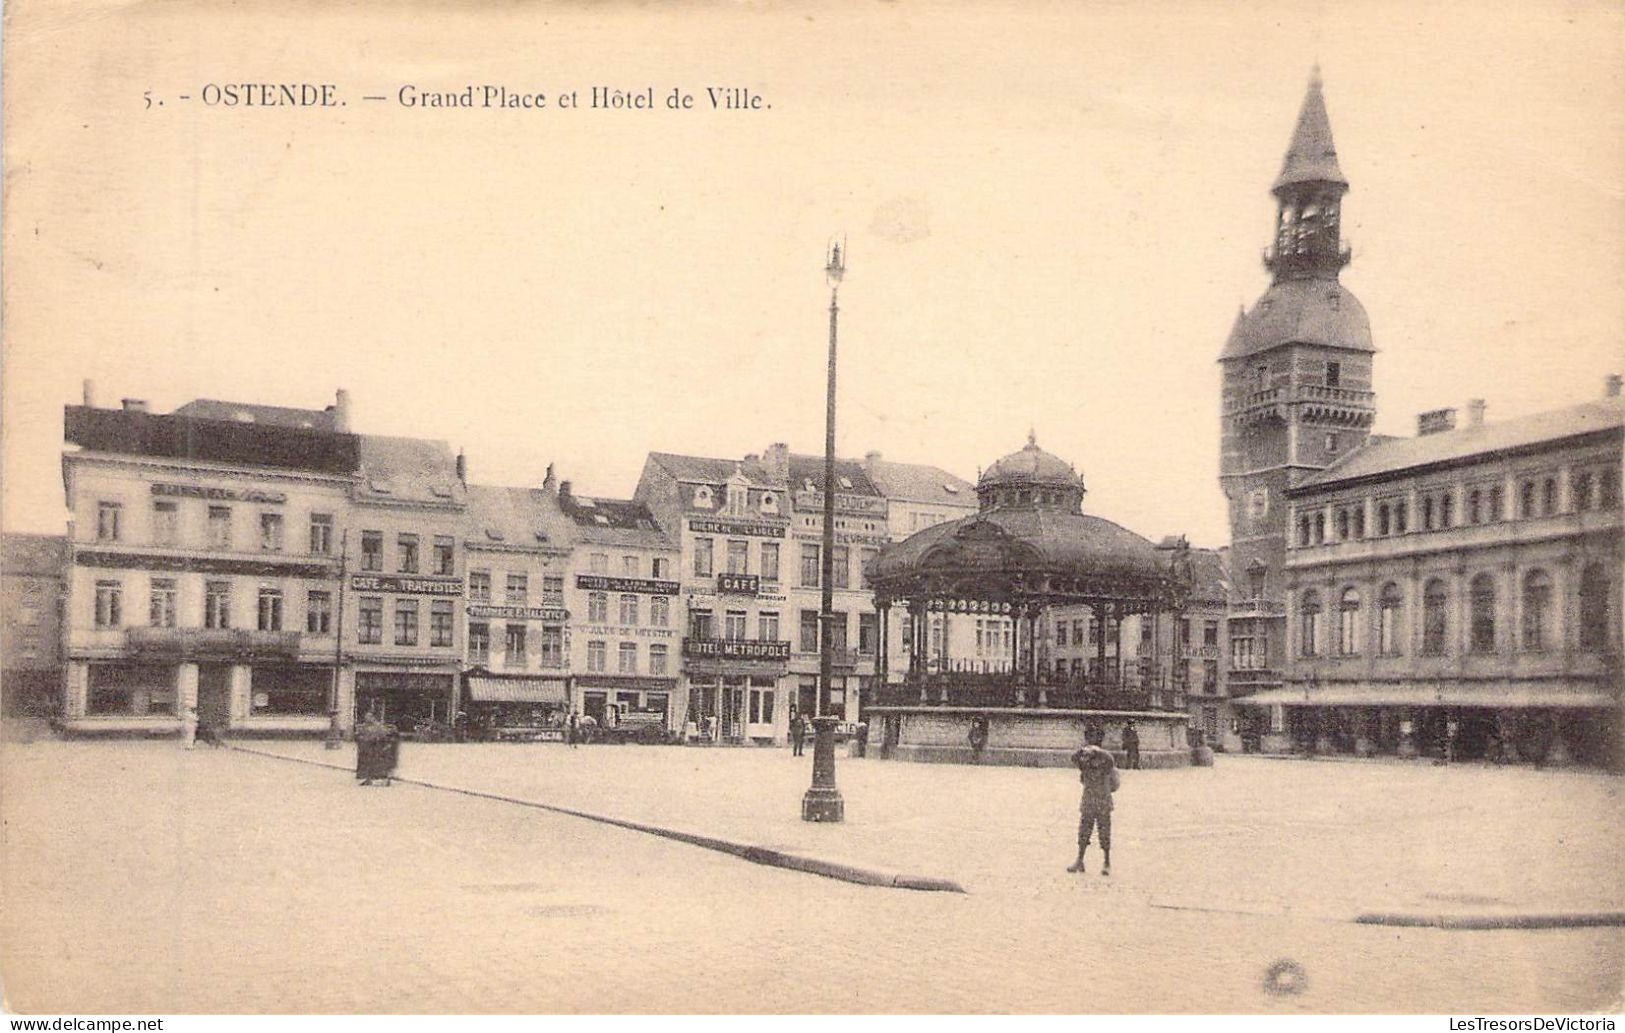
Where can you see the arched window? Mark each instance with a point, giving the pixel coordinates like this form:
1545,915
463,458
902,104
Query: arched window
1390,620
1383,523
1582,492
1320,528
1595,619
1447,506
1342,525
1526,499
702,497
1495,505
1548,497
1427,512
1309,623
1537,604
1399,517
1348,623
1359,522
1474,506
1435,617
1482,605
1303,530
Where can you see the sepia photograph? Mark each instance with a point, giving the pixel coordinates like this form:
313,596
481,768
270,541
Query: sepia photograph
803,509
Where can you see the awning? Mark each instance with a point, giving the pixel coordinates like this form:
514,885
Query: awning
1495,695
517,690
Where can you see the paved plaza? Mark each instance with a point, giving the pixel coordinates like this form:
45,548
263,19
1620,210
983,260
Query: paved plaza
144,878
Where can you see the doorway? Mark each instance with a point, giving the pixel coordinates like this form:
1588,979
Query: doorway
759,723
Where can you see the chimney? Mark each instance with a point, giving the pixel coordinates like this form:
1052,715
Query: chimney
869,461
1611,389
550,483
1435,422
777,461
1475,412
135,404
462,467
90,393
341,411
564,489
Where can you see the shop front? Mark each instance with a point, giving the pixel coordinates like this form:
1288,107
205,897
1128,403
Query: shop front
515,708
610,700
419,702
736,690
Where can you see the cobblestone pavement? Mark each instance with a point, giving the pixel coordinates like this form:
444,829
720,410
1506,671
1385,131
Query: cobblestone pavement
143,878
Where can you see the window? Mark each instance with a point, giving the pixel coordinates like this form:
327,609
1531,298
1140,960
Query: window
1060,633
1255,582
1359,522
868,633
1474,507
1548,497
1435,617
1481,614
597,656
702,558
657,567
1594,609
321,534
372,550
406,622
1537,602
702,497
737,495
629,610
1331,443
770,561
1309,623
270,613
1494,512
767,626
657,659
629,565
479,586
219,527
161,605
809,566
733,625
552,646
1581,492
837,632
842,566
1210,676
513,649
770,502
1608,490
1427,513
445,554
866,563
809,631
660,611
553,590
1447,510
1390,620
165,523
109,515
217,604
1401,513
738,557
518,590
271,532
1304,536
1526,499
700,625
628,659
1342,525
1384,523
1320,528
319,612
406,553
440,622
370,623
1334,374
1210,634
479,643
598,563
598,607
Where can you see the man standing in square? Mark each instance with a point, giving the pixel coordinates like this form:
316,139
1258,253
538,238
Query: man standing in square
1098,773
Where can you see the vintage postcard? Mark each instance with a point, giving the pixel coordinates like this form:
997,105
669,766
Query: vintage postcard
813,508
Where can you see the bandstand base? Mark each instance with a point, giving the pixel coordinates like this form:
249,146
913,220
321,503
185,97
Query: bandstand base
1022,737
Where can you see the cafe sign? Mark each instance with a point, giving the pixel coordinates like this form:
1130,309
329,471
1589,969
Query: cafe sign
739,584
520,613
702,526
406,585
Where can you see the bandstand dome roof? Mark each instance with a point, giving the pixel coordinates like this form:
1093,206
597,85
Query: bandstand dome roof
1031,465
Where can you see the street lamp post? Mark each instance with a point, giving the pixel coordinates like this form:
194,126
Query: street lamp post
822,801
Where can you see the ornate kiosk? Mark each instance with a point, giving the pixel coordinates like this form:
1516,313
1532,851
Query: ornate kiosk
1029,550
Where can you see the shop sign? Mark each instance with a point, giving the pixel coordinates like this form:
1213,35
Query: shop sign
406,585
198,491
624,683
644,585
605,629
704,526
739,584
735,649
520,613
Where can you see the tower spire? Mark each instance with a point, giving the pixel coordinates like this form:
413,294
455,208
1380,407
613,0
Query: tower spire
1311,157
1310,191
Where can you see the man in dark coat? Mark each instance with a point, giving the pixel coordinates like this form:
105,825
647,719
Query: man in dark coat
1131,745
1098,773
798,733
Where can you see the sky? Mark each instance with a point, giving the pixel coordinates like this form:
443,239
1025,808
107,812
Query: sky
1053,213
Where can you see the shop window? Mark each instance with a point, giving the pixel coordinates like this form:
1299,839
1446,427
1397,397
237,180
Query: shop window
318,612
703,566
109,604
440,622
321,534
271,532
109,518
372,550
1481,614
217,604
1435,617
1537,602
406,622
135,690
1595,616
289,690
370,620
406,553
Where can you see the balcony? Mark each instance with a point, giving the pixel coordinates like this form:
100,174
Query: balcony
212,643
1257,608
1251,679
1320,403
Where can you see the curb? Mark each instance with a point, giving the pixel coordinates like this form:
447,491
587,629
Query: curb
744,851
1555,920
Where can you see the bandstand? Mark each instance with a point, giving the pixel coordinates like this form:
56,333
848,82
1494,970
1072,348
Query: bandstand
1028,551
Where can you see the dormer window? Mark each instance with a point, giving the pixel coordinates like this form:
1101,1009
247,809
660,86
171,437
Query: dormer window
846,482
770,503
737,496
702,497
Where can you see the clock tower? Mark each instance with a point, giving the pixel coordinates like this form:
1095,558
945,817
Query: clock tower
1296,389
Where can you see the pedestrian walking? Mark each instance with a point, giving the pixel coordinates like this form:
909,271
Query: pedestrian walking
1131,745
1098,773
798,733
573,731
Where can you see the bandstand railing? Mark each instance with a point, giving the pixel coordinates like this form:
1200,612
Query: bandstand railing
1005,690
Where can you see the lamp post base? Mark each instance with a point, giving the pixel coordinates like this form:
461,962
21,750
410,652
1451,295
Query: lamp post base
822,800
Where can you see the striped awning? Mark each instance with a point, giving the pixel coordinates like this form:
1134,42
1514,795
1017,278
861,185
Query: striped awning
1493,695
518,690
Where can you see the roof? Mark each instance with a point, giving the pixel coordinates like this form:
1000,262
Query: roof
195,438
612,522
1210,575
918,482
418,470
1387,457
1309,311
247,412
513,517
1031,465
710,471
1311,157
43,555
853,478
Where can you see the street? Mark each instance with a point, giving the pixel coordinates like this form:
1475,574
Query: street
143,878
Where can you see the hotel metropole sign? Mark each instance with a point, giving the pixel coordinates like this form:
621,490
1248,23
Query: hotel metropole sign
520,613
702,526
643,585
735,649
406,585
